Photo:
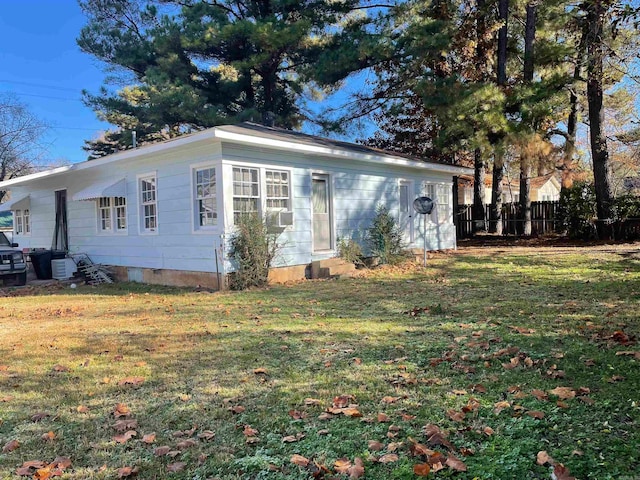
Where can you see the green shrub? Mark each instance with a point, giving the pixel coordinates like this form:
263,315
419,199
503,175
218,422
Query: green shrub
578,210
253,248
350,251
384,237
626,206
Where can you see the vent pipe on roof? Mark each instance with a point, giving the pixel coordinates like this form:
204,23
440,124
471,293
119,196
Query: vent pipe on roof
134,140
268,119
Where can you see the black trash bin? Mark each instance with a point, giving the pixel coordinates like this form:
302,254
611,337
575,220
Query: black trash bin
58,254
41,261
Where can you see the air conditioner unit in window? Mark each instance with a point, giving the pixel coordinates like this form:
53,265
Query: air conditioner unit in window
285,218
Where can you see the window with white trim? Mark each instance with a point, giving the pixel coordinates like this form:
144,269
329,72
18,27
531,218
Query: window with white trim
246,191
441,193
148,204
206,202
112,214
22,222
278,186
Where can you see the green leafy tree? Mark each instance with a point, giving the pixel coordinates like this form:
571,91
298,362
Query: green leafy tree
191,64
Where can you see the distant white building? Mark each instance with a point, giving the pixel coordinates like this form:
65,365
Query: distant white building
545,188
163,213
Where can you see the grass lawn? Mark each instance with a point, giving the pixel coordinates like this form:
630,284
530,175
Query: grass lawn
468,369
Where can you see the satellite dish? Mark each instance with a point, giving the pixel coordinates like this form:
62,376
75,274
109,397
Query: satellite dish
423,205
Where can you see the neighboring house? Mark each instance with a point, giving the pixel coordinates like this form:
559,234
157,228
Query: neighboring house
163,213
545,188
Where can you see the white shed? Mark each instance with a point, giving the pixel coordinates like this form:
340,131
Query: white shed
162,213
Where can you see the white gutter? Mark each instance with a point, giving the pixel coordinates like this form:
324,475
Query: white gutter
337,152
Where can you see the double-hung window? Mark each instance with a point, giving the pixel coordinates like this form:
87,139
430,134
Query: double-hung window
23,222
246,191
112,214
148,204
277,183
441,194
206,202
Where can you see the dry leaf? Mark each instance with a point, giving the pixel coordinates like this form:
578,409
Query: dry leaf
539,394
299,460
82,409
39,416
207,435
342,401
560,472
49,436
249,431
311,401
131,381
456,416
237,409
124,425
488,431
297,415
149,438
176,467
388,399
10,446
536,414
455,463
183,445
543,457
375,446
121,410
563,393
161,451
260,371
422,469
357,469
383,417
125,436
351,412
342,465
388,458
127,472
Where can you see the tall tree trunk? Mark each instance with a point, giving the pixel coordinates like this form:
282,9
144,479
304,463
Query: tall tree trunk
496,193
596,11
495,216
568,164
503,15
480,166
478,211
525,163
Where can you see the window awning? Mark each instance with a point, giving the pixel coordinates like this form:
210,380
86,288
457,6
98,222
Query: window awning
112,188
20,203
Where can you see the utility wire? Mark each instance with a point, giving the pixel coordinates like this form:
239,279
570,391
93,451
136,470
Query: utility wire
42,85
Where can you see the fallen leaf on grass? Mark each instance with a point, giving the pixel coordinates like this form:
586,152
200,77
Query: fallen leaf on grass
357,469
297,415
456,416
10,446
125,437
260,371
342,401
149,438
543,458
539,394
206,435
184,444
388,458
616,378
125,472
176,467
161,451
39,416
237,409
121,410
131,381
383,417
536,414
82,409
560,472
499,406
455,463
124,425
249,431
342,465
299,460
375,446
389,400
49,436
563,393
312,401
422,469
60,368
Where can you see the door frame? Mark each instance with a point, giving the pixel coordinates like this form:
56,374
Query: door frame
328,177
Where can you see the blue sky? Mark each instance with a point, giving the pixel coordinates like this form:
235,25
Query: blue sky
41,64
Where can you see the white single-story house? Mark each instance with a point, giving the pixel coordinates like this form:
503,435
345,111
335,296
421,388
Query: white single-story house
163,213
544,188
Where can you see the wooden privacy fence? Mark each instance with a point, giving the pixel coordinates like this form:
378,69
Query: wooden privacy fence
543,219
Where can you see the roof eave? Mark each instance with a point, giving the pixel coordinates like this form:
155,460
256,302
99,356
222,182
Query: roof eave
255,140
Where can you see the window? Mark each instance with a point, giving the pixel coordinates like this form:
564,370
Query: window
22,221
205,197
441,195
246,191
112,214
277,183
148,204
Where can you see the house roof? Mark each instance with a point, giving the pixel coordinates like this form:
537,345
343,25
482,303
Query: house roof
6,220
536,182
261,137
